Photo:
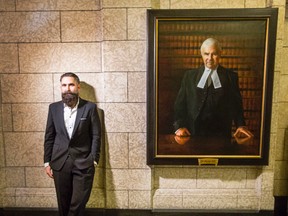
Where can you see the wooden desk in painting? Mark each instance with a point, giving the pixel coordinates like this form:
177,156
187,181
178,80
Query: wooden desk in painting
171,145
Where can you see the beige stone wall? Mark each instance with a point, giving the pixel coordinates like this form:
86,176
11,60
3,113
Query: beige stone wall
104,42
280,103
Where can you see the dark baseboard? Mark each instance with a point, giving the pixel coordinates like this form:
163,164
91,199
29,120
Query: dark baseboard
129,212
280,205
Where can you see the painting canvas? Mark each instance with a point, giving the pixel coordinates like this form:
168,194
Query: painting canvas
247,38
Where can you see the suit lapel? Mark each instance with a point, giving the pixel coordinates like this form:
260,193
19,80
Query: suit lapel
222,75
80,111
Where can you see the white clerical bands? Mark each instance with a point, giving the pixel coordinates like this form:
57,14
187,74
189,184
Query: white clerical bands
214,77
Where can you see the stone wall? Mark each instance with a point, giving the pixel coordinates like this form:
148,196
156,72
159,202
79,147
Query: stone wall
104,42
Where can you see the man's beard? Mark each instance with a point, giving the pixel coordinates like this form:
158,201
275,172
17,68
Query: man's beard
70,99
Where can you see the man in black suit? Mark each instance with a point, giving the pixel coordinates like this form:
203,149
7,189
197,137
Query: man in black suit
72,147
209,99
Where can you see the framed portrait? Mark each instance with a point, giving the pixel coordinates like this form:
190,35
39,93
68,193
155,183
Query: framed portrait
247,39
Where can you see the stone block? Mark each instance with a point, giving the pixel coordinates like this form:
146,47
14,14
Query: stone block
167,199
180,4
117,199
221,178
279,2
114,24
128,179
7,5
139,199
256,4
267,180
10,177
280,171
117,150
267,200
280,187
137,150
248,199
125,117
28,5
7,117
282,115
285,39
164,4
125,3
2,158
223,4
36,197
81,26
9,58
174,178
279,58
30,27
210,199
253,179
27,88
97,199
29,117
115,85
9,197
99,178
284,62
280,22
197,4
60,57
24,149
137,87
136,23
124,56
36,177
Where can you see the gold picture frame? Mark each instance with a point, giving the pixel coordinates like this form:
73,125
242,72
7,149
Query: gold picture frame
248,38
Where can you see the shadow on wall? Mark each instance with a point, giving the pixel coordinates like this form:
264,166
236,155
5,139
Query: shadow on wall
100,195
87,92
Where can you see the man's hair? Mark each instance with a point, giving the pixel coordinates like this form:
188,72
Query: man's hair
210,42
69,74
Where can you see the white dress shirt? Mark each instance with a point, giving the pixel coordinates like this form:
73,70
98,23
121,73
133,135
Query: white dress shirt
70,117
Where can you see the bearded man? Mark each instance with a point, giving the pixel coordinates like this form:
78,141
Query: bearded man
72,147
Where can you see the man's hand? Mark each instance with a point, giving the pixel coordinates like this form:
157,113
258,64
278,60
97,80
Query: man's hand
182,132
181,140
242,132
49,171
243,135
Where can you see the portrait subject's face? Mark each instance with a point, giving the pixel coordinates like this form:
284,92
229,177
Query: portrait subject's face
70,91
211,56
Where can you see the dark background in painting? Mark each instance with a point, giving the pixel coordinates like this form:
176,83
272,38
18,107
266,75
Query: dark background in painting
243,44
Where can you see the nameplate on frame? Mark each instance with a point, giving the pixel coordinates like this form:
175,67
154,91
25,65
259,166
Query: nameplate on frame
208,161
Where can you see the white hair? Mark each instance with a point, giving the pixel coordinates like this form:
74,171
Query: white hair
210,42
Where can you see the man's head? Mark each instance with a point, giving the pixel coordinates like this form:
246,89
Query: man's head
211,53
70,86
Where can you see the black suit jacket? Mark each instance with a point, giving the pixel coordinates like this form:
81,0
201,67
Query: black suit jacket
84,145
190,101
